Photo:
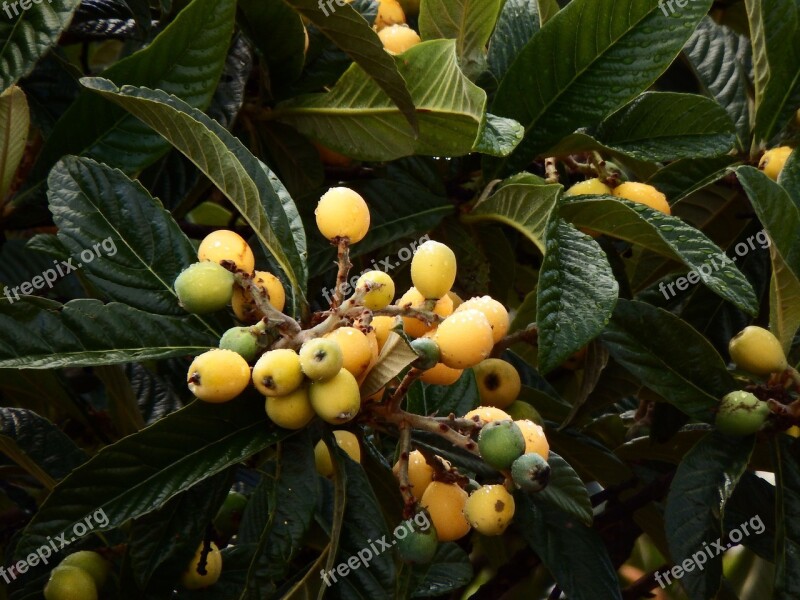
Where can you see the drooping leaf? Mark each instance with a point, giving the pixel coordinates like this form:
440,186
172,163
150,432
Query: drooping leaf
27,34
719,57
631,44
702,485
140,248
577,292
449,570
14,124
566,491
37,445
166,537
469,22
776,63
351,33
290,490
554,535
787,512
186,59
524,206
357,119
778,213
39,334
668,236
457,398
248,184
141,472
518,21
668,356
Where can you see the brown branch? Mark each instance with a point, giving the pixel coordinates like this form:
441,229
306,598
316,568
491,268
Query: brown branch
343,258
529,335
550,169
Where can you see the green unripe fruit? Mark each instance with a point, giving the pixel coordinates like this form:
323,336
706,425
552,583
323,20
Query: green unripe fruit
240,340
741,413
204,287
758,351
321,358
70,583
530,473
428,352
501,443
91,562
520,410
416,546
230,514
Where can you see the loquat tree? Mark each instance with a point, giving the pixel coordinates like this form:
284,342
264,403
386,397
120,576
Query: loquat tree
399,299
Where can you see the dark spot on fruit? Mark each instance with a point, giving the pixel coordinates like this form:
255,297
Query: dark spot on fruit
492,382
194,378
499,506
319,355
269,382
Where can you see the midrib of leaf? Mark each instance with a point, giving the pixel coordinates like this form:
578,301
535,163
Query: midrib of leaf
782,315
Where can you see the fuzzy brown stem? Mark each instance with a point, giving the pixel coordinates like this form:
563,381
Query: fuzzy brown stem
343,259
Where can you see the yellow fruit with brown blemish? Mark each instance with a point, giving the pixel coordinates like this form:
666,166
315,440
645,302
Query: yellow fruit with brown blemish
490,509
224,245
445,503
243,305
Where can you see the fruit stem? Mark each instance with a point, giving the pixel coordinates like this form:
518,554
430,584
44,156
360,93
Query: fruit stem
287,326
343,258
430,318
432,425
579,167
394,402
550,169
530,335
402,476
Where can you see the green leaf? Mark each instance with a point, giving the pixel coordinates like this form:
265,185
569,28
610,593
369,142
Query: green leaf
14,124
469,22
669,357
290,490
351,33
787,517
141,472
784,301
37,445
655,128
458,398
359,120
566,491
776,63
449,570
39,334
27,35
682,178
284,53
524,206
668,236
140,249
616,49
395,356
374,577
718,56
572,552
186,59
246,182
703,483
576,293
659,127
166,539
518,21
499,136
778,213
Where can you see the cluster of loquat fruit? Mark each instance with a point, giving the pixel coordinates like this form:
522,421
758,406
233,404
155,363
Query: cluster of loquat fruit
318,371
